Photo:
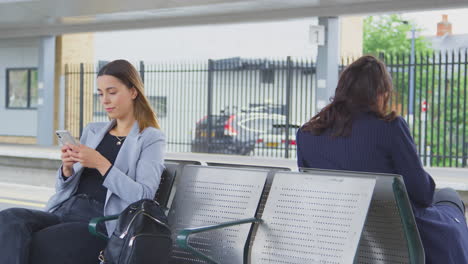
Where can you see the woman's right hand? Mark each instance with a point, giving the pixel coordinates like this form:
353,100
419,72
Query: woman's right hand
67,161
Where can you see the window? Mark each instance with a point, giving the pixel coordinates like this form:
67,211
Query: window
257,124
21,88
267,75
159,105
102,63
267,108
98,111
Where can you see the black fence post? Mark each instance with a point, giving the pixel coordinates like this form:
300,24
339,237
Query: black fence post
382,56
209,113
464,131
81,97
142,71
288,103
437,77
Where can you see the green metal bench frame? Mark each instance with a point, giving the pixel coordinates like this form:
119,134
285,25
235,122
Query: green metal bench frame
415,247
184,236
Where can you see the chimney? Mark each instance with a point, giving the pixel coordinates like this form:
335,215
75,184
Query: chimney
444,27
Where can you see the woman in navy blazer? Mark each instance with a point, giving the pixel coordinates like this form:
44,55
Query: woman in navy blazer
356,132
117,163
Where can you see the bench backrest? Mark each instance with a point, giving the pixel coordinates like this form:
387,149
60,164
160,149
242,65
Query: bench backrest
167,182
390,234
213,195
312,219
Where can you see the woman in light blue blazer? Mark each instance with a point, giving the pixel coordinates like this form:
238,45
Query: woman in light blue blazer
117,163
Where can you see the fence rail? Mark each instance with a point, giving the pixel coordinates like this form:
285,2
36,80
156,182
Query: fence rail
254,106
434,104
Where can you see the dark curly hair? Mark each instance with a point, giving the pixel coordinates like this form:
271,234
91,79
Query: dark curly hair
361,86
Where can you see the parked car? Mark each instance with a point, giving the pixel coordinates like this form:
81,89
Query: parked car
231,133
273,142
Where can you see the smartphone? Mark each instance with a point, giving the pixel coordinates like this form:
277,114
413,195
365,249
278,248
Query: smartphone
65,137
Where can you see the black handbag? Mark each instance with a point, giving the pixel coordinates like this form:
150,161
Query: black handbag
142,236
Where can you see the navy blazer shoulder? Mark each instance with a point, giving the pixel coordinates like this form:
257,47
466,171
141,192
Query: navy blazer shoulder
375,145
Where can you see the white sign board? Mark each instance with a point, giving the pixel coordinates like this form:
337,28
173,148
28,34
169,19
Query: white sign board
317,35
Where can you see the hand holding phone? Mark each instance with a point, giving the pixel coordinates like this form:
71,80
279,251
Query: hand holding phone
65,137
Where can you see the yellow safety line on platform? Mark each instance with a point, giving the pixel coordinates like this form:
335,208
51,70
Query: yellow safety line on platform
8,201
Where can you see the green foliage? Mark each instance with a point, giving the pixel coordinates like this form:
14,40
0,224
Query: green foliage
444,88
442,85
390,34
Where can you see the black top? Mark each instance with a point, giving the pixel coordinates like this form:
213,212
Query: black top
91,179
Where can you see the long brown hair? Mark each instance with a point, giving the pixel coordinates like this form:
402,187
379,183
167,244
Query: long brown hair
359,88
128,75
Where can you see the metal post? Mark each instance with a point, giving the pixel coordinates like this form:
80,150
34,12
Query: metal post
62,99
81,97
465,143
422,132
46,92
288,104
328,57
142,71
209,113
411,77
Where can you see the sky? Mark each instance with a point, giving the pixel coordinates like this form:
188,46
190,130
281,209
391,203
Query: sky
429,19
249,40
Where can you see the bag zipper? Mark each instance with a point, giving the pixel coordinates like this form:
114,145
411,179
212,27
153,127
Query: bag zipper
132,239
101,257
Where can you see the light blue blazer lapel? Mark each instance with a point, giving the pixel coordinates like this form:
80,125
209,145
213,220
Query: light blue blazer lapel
127,152
93,141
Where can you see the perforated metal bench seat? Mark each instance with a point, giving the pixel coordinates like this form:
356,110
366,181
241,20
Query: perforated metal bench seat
211,196
390,233
232,215
320,217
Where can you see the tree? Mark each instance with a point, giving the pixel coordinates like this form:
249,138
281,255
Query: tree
438,80
389,34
